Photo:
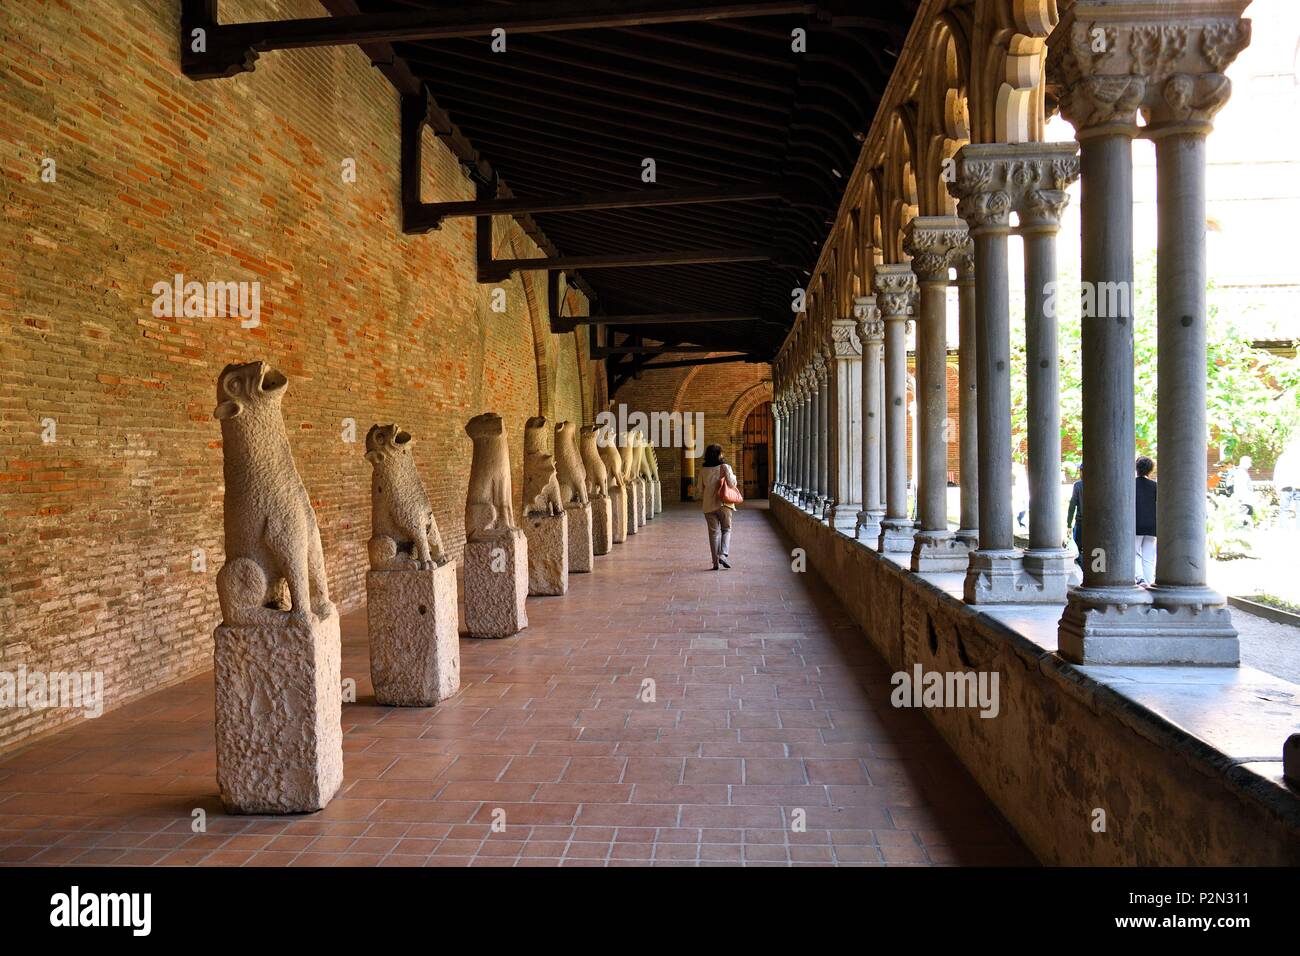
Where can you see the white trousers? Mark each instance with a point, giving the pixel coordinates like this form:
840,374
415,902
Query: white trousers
1145,558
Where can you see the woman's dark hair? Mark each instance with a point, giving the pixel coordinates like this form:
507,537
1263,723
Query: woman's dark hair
713,456
1145,466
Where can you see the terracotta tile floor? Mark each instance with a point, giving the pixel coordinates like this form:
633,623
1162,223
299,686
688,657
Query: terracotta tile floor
767,701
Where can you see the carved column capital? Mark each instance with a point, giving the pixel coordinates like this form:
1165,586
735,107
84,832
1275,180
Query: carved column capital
963,260
821,369
843,339
896,290
997,179
932,242
869,326
1107,60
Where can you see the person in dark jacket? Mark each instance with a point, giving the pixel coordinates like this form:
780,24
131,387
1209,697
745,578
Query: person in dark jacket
1074,518
1145,547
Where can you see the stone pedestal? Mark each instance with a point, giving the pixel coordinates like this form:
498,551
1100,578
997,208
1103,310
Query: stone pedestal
496,585
633,490
941,551
279,705
659,496
414,636
618,514
581,546
643,500
1120,626
602,526
548,553
1013,577
897,535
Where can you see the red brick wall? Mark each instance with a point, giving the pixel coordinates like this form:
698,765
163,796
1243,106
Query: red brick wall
233,180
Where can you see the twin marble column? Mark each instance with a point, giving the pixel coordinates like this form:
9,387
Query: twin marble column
896,299
871,334
1170,64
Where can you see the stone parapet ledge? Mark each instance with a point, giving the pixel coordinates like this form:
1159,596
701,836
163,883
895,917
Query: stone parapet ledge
1185,762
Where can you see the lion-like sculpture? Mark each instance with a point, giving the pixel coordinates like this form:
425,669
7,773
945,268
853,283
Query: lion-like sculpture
597,475
569,467
542,494
403,532
489,502
272,539
609,453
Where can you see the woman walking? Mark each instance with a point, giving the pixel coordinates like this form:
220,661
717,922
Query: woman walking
1145,545
717,513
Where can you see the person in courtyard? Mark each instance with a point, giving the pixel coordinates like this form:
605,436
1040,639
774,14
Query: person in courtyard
1074,518
1145,544
1243,489
717,513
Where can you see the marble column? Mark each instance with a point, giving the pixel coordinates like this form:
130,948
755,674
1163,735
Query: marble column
896,297
805,437
871,334
824,435
778,430
846,450
1046,559
967,423
932,241
813,501
993,180
1169,61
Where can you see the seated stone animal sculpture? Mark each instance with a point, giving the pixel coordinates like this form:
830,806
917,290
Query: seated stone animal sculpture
272,539
403,533
541,485
613,460
645,450
569,467
489,503
597,475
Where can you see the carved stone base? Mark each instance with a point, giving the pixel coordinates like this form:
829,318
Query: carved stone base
643,500
602,526
414,636
939,551
1052,570
970,535
866,527
1123,626
279,702
844,517
496,585
999,577
896,535
548,553
659,496
618,515
581,547
633,507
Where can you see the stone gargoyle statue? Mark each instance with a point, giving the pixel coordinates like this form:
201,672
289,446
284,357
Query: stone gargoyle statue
272,539
609,453
645,450
569,467
542,494
489,503
597,475
403,533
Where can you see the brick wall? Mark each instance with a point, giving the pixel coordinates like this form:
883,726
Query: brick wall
229,180
724,394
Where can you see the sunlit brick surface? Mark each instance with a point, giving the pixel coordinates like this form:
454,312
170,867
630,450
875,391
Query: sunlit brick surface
766,701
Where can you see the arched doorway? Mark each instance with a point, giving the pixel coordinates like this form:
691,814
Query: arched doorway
755,452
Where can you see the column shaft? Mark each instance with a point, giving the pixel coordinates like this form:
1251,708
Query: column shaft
968,426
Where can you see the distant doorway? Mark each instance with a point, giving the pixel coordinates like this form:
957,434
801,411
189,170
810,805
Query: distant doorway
755,451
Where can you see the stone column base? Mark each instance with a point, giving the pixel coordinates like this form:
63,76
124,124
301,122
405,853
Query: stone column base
867,527
1000,577
581,546
896,535
970,535
548,553
279,705
414,636
618,515
1123,626
602,526
496,585
939,551
1052,569
845,517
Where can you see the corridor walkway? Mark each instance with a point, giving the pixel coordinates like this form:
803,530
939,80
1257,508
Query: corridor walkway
766,701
